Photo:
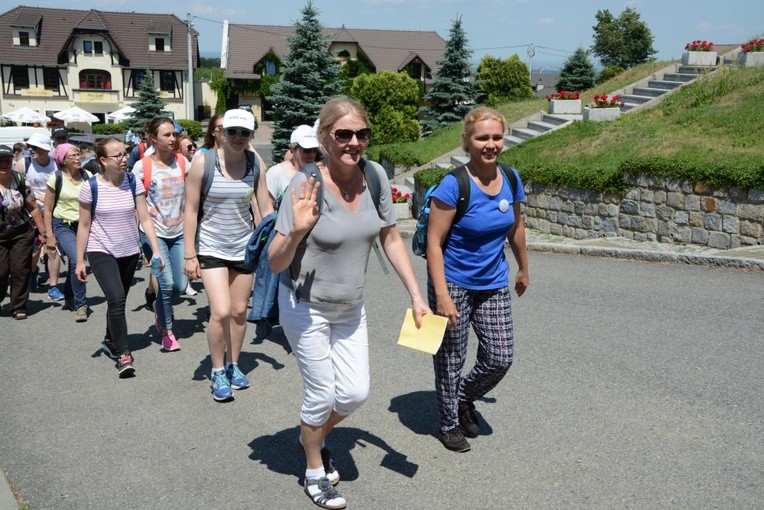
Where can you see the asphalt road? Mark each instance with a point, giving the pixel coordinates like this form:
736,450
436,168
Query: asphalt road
635,385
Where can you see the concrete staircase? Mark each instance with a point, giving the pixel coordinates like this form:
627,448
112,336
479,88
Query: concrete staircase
650,90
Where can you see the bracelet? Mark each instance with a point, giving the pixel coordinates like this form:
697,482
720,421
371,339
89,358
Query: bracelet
189,258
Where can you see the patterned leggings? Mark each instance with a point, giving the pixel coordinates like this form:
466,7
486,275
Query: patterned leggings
490,313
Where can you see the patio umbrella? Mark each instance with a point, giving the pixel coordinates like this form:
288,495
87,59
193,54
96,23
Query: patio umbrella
26,114
76,114
121,114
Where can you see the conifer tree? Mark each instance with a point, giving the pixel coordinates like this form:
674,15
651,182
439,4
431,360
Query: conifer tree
453,94
309,78
577,73
149,105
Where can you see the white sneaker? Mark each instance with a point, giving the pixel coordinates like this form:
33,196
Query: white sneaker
190,290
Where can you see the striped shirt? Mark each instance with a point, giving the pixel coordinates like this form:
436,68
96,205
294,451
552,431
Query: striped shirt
113,229
226,217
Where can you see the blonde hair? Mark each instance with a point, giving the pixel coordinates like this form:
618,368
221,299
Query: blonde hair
476,115
334,110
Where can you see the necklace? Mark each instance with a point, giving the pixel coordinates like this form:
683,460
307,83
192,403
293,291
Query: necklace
346,192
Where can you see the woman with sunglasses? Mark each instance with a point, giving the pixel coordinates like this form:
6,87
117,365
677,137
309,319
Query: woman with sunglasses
186,147
302,151
62,215
322,259
108,234
215,244
468,275
163,175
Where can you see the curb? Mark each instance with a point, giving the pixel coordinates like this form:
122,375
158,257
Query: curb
7,501
649,256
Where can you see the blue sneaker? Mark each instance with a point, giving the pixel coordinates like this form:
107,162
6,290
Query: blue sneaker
221,387
55,294
237,378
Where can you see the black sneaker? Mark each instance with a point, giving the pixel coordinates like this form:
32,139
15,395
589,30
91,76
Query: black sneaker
150,298
454,440
468,419
125,366
322,493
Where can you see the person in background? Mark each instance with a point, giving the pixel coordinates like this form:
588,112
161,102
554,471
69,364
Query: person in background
215,244
18,211
89,161
59,135
165,198
37,169
214,137
303,147
109,235
322,260
19,149
62,215
141,149
186,147
468,276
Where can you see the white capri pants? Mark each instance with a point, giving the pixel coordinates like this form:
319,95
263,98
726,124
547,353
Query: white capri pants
331,344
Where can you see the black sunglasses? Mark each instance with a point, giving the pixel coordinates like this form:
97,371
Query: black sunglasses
345,135
190,146
243,132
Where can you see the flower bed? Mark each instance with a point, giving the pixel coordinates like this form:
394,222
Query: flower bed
699,53
565,102
752,53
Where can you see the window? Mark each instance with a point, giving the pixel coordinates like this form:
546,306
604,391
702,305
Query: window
24,38
167,81
95,79
138,75
159,44
415,70
98,47
20,77
50,78
270,68
87,47
343,54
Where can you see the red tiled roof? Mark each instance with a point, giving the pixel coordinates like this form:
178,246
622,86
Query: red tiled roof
387,50
129,30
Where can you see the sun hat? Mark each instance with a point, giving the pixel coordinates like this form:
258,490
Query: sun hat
304,136
59,153
239,118
39,140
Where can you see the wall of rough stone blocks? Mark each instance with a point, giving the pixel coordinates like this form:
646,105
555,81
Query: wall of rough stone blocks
653,209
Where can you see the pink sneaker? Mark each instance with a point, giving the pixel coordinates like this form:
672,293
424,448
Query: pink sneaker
170,343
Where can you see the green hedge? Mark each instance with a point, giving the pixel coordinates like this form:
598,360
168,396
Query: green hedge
192,127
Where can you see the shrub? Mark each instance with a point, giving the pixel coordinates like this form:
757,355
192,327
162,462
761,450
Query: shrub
429,176
192,127
608,73
110,129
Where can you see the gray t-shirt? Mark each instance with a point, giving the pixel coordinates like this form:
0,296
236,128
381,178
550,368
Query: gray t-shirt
330,263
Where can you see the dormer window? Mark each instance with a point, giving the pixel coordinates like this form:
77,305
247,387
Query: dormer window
159,44
92,47
23,38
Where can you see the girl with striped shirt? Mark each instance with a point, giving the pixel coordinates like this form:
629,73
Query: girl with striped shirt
109,236
215,245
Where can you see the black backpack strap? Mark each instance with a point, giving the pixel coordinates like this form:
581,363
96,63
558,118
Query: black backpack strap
465,190
311,170
509,174
93,183
21,184
59,183
372,181
207,176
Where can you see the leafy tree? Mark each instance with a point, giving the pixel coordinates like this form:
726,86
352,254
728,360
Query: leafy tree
149,105
391,101
623,41
309,78
608,73
453,94
577,72
503,80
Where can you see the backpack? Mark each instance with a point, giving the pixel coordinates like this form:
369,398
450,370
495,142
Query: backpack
146,163
94,190
419,239
375,190
59,183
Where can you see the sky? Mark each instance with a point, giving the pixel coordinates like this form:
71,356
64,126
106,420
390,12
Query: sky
500,28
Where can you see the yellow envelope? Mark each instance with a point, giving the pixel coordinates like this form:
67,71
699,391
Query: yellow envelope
428,338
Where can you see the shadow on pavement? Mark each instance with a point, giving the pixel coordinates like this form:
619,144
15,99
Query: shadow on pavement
280,454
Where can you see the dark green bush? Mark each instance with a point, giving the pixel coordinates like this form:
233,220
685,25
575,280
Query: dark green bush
609,73
110,129
429,176
192,127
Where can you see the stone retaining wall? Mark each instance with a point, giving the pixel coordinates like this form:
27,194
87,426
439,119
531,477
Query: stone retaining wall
654,209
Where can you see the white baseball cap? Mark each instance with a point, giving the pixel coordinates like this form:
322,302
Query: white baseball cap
304,136
39,140
239,118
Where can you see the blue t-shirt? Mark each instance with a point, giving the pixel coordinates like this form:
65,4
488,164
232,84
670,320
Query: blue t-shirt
473,255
